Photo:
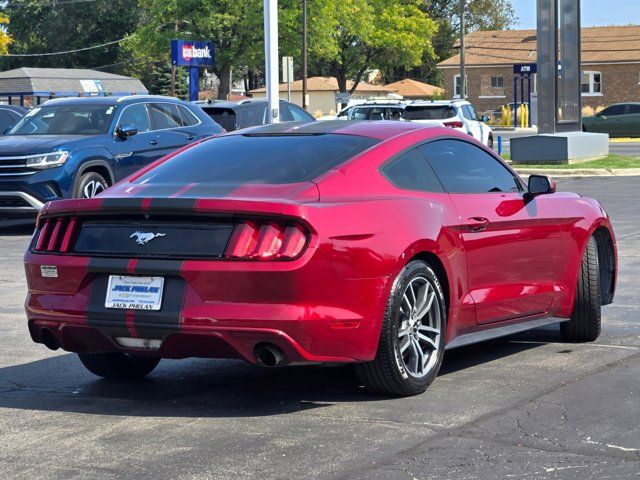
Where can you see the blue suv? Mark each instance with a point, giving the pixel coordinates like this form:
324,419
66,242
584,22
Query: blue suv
77,147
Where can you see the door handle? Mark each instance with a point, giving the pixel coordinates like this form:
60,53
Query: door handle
155,141
477,224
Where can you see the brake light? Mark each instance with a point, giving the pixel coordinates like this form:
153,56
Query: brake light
265,241
55,235
455,124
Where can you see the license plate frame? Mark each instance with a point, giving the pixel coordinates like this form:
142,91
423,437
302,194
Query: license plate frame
129,292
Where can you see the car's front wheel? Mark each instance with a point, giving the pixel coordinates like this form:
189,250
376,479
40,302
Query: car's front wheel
90,184
118,366
411,342
584,325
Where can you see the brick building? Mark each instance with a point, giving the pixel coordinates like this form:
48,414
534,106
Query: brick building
610,66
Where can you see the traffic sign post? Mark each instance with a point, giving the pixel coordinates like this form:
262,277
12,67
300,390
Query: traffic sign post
287,74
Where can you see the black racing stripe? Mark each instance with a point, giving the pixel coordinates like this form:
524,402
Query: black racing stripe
172,203
149,266
110,321
159,324
108,265
129,203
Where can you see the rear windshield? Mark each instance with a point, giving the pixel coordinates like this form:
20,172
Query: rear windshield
429,112
225,117
270,159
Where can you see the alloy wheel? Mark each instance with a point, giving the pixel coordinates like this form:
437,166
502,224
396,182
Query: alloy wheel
92,188
419,328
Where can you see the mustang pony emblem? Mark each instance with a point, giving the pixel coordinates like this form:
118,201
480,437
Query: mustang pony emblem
142,238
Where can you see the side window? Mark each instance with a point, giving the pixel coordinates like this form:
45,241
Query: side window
633,109
465,168
410,171
164,115
188,118
250,116
298,114
285,113
469,113
360,114
135,115
614,110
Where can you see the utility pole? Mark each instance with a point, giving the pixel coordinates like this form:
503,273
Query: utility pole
271,59
304,54
463,76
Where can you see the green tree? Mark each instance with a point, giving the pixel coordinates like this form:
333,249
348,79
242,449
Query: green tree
234,26
350,37
43,27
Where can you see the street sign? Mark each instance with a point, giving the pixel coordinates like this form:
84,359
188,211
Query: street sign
189,53
342,97
525,68
287,69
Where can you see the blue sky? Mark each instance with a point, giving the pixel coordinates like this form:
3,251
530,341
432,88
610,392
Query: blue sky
594,12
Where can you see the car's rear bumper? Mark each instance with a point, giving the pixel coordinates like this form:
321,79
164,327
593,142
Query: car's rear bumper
211,309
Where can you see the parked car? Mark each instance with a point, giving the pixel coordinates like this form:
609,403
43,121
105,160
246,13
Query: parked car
10,115
372,111
77,147
456,114
619,120
375,243
250,113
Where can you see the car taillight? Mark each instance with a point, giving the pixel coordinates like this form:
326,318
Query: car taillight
265,241
55,235
454,124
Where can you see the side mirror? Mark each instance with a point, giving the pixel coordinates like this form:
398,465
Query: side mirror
541,184
485,118
126,131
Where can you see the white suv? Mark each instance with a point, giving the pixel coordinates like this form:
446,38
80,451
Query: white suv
456,114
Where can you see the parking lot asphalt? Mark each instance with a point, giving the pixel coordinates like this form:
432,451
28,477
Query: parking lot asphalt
526,406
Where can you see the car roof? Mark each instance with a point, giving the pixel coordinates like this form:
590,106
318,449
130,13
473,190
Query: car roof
378,105
110,100
437,102
382,130
234,104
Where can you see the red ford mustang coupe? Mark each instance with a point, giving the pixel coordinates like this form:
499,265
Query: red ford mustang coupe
380,244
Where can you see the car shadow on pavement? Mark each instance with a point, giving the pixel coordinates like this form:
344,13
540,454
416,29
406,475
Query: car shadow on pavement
15,228
211,388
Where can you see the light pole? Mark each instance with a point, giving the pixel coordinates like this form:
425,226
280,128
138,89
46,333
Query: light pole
271,59
304,54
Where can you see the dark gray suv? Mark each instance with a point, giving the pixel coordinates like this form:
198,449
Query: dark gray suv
250,113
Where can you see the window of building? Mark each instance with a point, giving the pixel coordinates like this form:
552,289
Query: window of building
497,82
456,86
591,83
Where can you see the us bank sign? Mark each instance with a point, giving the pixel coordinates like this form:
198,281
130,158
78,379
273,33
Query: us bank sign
190,53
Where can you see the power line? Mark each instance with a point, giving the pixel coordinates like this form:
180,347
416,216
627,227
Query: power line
61,53
11,5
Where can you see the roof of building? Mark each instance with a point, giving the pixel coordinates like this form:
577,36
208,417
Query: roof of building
327,84
409,88
79,80
509,47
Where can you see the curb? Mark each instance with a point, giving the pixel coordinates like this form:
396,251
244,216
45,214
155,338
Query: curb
585,172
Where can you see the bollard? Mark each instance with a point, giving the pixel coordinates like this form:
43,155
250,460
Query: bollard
500,145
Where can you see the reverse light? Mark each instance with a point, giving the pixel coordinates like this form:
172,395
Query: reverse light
47,160
265,241
455,124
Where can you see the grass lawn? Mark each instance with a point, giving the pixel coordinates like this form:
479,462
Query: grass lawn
612,161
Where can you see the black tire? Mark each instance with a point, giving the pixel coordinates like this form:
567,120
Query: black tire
584,325
86,182
387,374
118,366
490,142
